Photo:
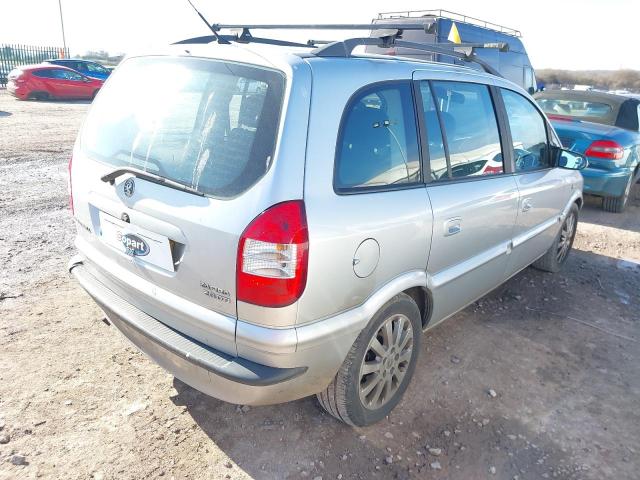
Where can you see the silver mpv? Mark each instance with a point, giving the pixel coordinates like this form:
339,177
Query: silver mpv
269,222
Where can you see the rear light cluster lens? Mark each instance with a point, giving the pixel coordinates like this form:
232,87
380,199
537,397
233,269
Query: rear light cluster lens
553,116
273,256
607,149
17,76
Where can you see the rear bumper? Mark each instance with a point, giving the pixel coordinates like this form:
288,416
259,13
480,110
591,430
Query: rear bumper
275,374
605,183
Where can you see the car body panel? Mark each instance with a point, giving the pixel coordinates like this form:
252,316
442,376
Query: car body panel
403,230
469,259
602,177
537,225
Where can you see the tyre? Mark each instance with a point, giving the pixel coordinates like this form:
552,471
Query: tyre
617,204
559,250
40,96
379,366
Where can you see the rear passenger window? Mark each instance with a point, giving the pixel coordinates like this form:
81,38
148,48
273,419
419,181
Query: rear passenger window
471,130
43,73
378,140
528,133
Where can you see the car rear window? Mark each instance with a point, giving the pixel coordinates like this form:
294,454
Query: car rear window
207,124
574,108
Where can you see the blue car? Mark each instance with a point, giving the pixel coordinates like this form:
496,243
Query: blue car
85,67
606,129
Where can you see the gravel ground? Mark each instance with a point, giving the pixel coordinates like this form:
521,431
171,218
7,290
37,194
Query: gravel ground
539,379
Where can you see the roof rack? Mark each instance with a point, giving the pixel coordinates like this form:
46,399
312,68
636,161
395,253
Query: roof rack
387,37
440,13
243,34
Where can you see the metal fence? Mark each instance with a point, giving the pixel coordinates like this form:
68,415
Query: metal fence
12,56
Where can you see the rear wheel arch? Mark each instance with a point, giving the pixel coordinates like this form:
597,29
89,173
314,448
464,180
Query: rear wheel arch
343,396
424,300
39,95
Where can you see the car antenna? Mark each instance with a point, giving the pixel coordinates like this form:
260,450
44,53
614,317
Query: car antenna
213,30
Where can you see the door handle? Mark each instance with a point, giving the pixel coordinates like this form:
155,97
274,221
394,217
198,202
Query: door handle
452,226
526,205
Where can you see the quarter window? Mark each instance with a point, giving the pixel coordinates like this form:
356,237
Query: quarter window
528,133
378,142
43,73
471,130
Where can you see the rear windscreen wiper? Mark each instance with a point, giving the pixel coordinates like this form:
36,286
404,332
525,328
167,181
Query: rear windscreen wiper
152,177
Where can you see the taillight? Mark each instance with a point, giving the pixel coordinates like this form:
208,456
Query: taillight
273,254
607,149
69,186
18,76
554,116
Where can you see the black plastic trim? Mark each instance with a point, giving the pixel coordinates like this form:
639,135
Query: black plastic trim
506,142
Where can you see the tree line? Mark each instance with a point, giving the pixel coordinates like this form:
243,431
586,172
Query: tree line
603,79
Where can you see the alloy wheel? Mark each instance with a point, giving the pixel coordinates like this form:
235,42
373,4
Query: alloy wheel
566,237
386,361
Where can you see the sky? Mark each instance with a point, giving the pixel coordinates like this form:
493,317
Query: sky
565,34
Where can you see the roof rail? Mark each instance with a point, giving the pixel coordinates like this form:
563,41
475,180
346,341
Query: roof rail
440,13
386,38
462,51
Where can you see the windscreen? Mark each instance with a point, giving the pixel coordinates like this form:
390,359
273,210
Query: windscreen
207,124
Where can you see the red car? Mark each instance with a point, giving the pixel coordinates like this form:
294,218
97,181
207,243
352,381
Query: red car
43,82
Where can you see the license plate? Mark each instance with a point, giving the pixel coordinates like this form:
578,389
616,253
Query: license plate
140,244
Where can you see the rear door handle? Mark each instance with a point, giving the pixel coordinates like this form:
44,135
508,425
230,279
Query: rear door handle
452,226
526,205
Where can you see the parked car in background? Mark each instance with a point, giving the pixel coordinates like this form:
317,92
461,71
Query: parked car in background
443,27
264,240
606,129
85,67
45,81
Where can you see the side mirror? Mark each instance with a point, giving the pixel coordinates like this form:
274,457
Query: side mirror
571,160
